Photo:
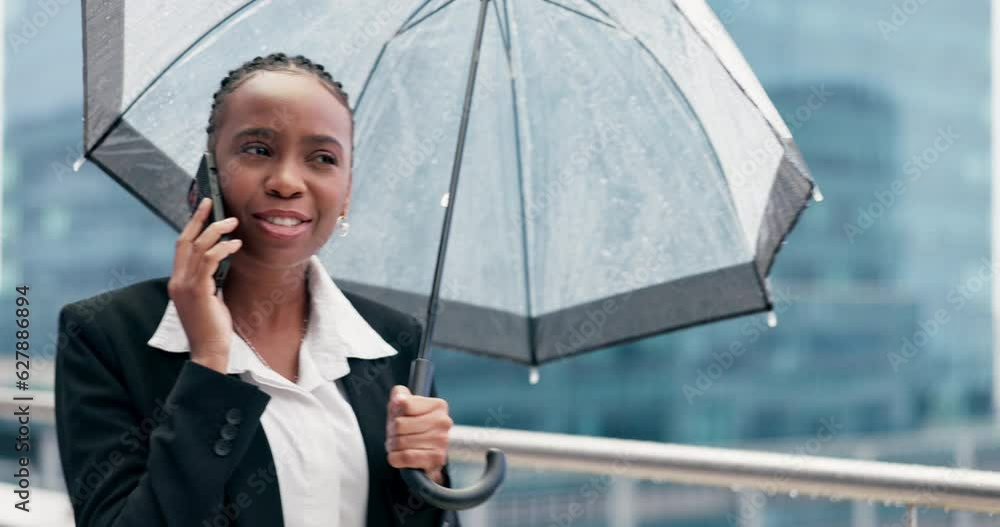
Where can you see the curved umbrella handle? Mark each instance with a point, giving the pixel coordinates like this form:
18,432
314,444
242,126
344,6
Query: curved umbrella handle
421,374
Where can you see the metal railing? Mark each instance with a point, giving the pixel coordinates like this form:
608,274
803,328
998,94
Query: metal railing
738,470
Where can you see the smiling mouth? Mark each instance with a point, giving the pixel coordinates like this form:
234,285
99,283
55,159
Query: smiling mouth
282,228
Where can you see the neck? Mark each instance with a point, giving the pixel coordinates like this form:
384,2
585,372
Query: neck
265,299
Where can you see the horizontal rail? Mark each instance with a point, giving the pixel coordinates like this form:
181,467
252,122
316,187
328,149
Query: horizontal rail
738,470
735,469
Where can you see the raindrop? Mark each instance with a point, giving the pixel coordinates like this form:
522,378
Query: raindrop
533,375
735,488
78,163
817,195
793,494
772,319
605,253
603,180
444,199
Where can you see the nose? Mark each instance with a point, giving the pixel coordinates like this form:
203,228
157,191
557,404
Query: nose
286,181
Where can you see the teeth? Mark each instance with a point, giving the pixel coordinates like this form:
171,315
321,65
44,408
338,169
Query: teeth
287,222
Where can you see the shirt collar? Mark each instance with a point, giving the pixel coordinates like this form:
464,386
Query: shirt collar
336,331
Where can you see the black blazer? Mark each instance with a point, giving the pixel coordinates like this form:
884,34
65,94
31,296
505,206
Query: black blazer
141,431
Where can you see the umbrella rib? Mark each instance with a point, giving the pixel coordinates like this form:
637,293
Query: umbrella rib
503,34
182,54
421,19
520,184
715,154
410,17
371,72
581,13
736,81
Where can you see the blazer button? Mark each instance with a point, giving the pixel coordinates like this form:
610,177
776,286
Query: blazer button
229,431
223,447
234,416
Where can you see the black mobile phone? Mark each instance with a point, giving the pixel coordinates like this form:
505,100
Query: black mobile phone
207,180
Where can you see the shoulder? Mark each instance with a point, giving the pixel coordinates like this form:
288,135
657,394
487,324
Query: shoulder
135,307
401,330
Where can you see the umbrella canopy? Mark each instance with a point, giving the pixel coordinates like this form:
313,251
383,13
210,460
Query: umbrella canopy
624,173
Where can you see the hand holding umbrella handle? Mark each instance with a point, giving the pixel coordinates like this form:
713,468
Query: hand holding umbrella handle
421,374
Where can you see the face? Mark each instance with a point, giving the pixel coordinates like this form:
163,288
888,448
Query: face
283,148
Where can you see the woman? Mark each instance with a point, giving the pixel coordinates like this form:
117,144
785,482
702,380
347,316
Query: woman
278,400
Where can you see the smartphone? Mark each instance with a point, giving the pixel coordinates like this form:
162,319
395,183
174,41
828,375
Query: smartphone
207,180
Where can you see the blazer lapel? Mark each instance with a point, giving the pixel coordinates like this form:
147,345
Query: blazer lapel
367,387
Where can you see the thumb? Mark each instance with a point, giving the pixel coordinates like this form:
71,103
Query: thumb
398,394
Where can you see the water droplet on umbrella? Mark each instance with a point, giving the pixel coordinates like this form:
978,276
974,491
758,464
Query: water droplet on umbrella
444,199
533,375
78,163
817,195
772,319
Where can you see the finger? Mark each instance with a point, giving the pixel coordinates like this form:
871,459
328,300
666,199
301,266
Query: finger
422,459
403,425
431,439
415,405
398,394
208,239
211,258
193,226
187,235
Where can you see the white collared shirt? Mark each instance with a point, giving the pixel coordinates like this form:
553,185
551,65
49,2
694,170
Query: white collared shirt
318,449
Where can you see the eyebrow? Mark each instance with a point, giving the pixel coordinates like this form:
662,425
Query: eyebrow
270,132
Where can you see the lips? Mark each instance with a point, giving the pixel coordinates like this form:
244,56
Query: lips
281,213
283,232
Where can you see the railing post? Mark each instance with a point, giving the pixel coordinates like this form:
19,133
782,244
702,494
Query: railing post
911,516
965,457
621,505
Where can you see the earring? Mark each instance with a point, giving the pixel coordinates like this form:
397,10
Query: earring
343,225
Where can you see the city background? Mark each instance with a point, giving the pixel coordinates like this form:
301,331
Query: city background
905,96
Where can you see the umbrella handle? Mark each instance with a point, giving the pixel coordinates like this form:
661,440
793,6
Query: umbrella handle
421,374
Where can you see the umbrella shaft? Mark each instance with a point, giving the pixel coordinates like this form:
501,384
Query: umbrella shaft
425,349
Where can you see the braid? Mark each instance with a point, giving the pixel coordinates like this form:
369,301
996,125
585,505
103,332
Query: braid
272,62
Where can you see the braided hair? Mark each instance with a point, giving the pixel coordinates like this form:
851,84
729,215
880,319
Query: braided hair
273,62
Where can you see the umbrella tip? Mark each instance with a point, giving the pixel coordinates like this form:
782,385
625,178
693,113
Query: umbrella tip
772,319
79,163
817,195
533,375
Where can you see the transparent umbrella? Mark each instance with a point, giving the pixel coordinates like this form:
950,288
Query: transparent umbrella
533,179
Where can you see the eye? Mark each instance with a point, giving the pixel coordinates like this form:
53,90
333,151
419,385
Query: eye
327,158
256,149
